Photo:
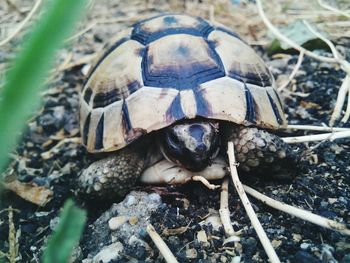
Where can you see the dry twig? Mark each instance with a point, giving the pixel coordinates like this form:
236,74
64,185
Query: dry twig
316,128
271,253
345,87
224,211
22,24
345,65
334,10
317,137
159,242
298,212
294,72
204,181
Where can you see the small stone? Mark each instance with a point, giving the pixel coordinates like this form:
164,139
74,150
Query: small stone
130,200
214,221
191,253
304,246
133,220
202,236
276,243
109,253
115,222
332,200
236,259
296,237
223,259
154,198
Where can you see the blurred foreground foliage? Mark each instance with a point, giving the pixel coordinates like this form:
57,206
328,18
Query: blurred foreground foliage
67,234
20,97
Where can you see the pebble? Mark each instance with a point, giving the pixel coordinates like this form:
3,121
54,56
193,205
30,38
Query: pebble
133,220
115,222
130,200
202,236
305,246
191,253
109,253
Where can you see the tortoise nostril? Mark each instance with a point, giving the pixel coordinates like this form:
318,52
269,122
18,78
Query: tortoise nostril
201,148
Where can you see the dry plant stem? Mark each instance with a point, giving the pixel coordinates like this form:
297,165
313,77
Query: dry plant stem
346,82
316,128
283,38
317,137
12,238
224,211
331,8
82,32
297,212
163,248
345,87
22,24
271,253
48,154
205,182
294,72
343,91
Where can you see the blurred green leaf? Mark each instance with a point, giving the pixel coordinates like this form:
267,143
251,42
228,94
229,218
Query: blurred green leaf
19,97
67,234
300,34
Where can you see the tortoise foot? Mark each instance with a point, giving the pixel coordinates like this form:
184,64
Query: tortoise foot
112,176
263,153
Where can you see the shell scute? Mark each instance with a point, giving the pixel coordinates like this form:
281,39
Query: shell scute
173,67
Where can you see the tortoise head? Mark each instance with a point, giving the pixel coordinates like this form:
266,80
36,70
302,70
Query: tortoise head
192,145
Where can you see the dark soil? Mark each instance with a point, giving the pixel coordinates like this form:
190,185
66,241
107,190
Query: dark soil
321,186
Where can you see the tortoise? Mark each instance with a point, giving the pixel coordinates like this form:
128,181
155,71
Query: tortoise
169,93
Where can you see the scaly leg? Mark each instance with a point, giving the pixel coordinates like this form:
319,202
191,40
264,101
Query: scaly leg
262,153
112,176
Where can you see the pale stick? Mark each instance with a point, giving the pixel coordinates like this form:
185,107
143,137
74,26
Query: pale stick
205,182
298,212
335,10
224,211
159,242
22,24
345,87
285,39
294,72
271,253
317,137
316,128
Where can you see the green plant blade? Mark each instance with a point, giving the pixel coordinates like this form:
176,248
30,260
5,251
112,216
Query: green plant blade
67,234
300,34
19,97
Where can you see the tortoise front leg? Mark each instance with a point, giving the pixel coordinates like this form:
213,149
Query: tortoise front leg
262,153
112,176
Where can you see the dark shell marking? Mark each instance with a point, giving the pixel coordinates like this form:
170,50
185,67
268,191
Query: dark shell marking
140,81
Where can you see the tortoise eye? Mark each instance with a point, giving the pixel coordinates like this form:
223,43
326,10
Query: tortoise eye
173,138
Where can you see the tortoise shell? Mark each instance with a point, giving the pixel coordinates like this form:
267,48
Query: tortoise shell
174,67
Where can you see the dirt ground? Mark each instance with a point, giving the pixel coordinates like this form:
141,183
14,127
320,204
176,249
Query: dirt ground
50,156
